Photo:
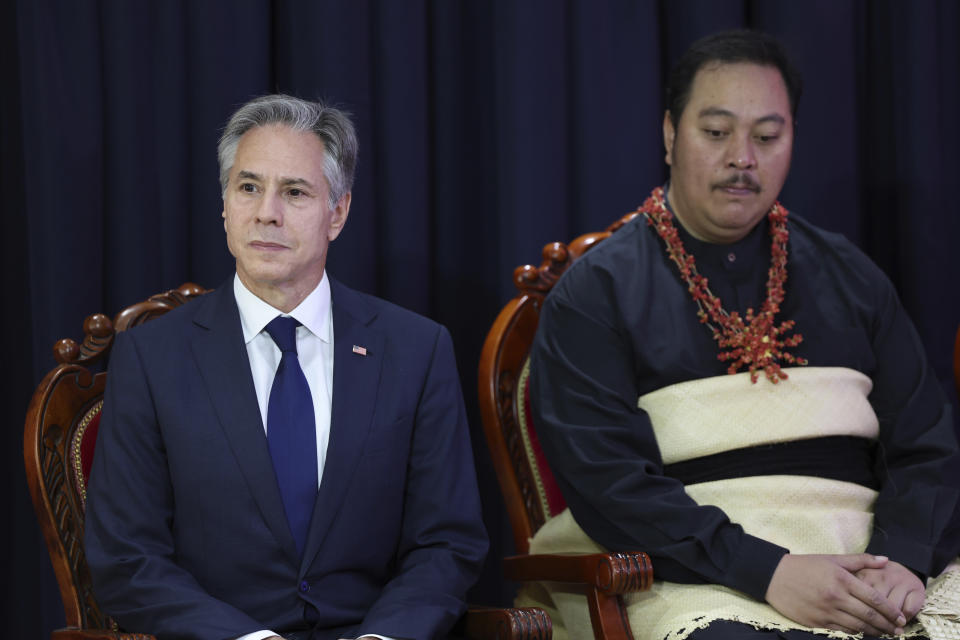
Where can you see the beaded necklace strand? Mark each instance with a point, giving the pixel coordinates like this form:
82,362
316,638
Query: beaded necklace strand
752,341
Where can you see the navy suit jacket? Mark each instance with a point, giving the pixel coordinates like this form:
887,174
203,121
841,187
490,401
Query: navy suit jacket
186,535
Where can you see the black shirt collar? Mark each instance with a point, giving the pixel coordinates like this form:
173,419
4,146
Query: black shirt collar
748,253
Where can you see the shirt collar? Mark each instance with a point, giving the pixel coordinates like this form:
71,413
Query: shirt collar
313,313
750,248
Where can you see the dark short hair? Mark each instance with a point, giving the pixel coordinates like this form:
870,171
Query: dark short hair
332,126
742,45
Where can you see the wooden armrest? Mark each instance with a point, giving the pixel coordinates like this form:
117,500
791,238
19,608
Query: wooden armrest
505,624
73,633
604,576
610,573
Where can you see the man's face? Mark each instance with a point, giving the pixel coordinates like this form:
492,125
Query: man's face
277,214
730,151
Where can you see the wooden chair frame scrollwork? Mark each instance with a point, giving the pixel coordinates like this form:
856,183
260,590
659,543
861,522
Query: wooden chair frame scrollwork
58,414
602,577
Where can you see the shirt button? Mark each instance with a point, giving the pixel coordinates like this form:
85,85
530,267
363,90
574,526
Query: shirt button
304,586
732,257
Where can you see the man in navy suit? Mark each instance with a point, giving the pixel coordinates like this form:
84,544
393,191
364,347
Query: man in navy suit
250,485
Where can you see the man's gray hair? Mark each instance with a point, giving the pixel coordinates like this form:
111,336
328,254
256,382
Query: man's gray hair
331,125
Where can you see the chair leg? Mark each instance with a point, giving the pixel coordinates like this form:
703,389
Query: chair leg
608,616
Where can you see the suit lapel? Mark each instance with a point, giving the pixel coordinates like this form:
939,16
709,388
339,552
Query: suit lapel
222,359
356,378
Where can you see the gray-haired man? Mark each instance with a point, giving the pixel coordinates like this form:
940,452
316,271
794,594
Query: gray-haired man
284,456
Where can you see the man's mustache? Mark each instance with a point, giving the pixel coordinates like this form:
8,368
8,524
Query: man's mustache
740,180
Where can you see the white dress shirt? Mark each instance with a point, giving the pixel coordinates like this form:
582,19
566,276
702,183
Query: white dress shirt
314,351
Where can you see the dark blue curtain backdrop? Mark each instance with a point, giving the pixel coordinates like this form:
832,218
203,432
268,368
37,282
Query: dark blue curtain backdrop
487,127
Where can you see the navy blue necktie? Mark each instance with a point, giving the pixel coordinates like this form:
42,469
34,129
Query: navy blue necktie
292,431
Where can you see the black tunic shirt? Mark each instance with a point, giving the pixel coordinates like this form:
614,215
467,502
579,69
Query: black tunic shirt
621,323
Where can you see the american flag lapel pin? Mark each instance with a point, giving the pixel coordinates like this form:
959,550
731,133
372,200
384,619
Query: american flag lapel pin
361,350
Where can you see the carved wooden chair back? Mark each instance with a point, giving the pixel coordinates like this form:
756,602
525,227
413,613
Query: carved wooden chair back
59,438
529,489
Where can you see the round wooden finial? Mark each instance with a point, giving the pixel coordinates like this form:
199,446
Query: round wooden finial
555,252
98,325
525,274
66,351
190,289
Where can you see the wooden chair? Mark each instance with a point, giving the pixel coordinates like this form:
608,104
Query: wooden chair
528,486
59,439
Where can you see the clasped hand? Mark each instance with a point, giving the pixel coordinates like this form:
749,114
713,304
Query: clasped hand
853,593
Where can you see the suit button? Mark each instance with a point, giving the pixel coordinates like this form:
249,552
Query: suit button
304,586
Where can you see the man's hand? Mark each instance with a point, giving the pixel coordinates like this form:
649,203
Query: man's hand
899,585
822,591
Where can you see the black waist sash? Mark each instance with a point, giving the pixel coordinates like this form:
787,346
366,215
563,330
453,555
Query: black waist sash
846,458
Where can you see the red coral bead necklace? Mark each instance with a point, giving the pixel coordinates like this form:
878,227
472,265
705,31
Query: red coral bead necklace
752,341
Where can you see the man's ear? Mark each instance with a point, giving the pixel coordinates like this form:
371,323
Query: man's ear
338,216
669,135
